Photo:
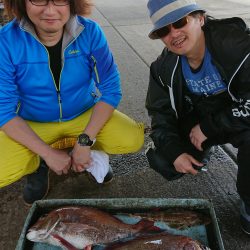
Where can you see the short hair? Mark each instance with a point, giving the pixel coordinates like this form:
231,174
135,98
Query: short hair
198,13
16,8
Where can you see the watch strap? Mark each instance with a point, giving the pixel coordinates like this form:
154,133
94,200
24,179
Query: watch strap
84,140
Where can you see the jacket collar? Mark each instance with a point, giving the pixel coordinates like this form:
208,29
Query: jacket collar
169,63
73,28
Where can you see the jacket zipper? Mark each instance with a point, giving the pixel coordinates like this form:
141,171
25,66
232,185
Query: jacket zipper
57,89
95,69
18,107
171,93
229,83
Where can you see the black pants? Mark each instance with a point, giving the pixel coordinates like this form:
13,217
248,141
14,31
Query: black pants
242,142
159,163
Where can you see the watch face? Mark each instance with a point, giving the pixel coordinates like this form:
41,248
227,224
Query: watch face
84,140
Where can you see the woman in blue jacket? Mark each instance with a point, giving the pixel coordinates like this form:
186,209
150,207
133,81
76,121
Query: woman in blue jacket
58,80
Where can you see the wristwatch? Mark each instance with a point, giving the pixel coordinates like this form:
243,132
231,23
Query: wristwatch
84,140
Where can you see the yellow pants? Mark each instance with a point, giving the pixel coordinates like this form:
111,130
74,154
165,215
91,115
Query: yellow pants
120,135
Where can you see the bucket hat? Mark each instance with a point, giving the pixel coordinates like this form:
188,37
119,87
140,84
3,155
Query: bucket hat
165,12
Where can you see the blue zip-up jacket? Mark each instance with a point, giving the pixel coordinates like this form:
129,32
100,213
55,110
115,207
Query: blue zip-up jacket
27,86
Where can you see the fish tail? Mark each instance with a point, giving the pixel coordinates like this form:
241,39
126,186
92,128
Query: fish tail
64,242
147,226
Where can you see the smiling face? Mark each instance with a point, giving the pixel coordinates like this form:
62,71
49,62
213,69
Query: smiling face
49,19
187,40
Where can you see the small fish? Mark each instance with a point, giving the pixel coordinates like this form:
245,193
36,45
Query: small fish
162,241
177,218
80,227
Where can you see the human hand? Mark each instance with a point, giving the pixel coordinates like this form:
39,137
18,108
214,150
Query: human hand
197,137
184,164
80,158
58,161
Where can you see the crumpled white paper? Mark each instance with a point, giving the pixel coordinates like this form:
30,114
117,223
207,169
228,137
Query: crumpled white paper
99,166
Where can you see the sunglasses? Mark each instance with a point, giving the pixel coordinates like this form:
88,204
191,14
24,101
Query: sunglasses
160,33
46,2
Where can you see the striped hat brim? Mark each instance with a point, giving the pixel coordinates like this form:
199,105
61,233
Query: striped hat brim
171,13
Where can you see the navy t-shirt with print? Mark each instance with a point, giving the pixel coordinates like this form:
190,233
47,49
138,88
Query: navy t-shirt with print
207,81
204,89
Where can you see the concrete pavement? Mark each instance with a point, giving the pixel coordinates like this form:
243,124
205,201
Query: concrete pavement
126,26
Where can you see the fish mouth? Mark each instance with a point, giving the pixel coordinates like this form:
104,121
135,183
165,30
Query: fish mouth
34,236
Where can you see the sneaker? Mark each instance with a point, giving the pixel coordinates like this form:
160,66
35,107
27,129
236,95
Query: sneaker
37,185
245,218
107,179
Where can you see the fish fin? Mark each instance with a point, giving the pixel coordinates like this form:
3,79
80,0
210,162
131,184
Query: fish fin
64,242
147,226
53,227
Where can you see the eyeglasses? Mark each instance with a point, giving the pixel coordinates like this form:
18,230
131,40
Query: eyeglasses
160,33
46,2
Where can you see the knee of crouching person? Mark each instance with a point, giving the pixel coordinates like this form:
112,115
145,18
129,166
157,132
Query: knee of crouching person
137,140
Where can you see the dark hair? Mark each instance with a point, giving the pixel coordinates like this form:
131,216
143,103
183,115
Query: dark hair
198,13
16,8
202,13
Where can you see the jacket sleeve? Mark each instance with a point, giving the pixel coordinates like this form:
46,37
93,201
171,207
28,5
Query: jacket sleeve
105,71
163,118
235,117
8,88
